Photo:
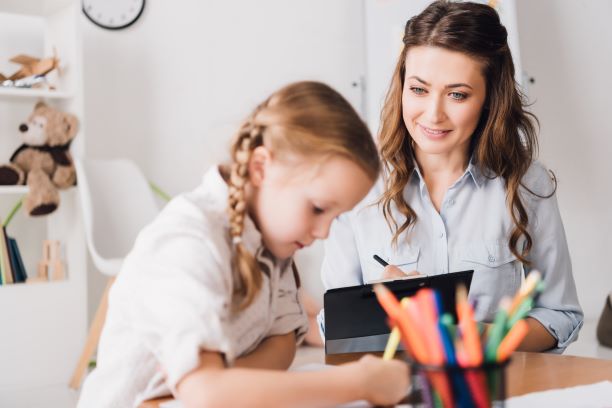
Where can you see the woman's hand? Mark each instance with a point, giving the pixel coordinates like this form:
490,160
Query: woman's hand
384,382
393,272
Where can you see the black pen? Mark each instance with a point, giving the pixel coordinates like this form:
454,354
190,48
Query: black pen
380,260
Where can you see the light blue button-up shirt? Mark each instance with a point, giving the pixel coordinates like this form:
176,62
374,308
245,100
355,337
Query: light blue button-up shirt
471,231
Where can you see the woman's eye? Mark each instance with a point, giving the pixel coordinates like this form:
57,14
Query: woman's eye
459,96
317,210
417,90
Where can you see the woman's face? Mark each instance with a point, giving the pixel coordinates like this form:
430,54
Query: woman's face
443,96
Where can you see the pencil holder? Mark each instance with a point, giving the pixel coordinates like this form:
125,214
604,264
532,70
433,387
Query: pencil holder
459,387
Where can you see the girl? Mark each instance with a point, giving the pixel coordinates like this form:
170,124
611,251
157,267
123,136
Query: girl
461,189
206,307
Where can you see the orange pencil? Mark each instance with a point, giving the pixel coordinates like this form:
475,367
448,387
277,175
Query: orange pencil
512,340
526,289
475,380
395,337
425,307
410,332
468,327
429,318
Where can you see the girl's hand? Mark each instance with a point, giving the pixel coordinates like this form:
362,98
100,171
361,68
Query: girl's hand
393,272
384,382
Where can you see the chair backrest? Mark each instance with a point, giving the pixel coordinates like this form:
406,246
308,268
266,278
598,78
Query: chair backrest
116,203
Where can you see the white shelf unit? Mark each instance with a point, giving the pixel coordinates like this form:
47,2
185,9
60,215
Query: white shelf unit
20,190
22,94
42,325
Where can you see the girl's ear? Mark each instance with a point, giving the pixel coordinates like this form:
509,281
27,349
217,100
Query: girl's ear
260,158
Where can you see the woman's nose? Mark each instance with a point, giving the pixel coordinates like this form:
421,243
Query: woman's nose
435,110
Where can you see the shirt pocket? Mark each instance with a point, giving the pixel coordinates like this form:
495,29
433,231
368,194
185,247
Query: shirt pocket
497,273
406,258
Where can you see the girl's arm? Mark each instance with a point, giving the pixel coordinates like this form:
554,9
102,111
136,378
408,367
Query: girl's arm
210,385
274,353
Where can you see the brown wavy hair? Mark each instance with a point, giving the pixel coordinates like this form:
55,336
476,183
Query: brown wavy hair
305,118
504,142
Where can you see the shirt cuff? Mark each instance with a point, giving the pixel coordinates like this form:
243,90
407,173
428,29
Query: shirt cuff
180,354
563,326
321,324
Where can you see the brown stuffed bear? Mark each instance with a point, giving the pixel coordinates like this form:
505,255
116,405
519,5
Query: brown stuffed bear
43,161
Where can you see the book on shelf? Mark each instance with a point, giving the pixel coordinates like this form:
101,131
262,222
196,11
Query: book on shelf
19,272
2,271
7,273
12,269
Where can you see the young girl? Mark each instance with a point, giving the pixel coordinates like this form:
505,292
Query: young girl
461,189
205,306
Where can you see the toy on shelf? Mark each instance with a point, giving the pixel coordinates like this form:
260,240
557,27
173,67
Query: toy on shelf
51,266
43,161
32,73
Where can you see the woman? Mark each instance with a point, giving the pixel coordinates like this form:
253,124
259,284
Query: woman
461,189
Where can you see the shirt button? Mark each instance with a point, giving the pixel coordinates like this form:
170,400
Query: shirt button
451,202
441,235
491,258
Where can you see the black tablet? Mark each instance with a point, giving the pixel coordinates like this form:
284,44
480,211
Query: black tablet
355,322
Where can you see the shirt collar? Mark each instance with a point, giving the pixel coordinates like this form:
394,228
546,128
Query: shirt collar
472,170
475,171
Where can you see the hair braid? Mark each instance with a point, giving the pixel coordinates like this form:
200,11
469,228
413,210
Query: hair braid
250,279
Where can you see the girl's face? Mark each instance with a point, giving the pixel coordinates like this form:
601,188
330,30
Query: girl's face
443,96
294,201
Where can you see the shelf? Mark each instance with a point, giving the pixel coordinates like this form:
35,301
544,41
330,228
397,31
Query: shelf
43,326
43,329
39,287
28,93
33,7
14,189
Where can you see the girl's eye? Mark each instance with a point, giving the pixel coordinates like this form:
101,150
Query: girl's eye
317,210
417,90
459,96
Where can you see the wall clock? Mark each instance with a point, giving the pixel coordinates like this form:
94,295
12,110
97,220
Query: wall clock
113,14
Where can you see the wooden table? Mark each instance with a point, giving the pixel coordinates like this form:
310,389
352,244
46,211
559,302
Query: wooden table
528,372
531,372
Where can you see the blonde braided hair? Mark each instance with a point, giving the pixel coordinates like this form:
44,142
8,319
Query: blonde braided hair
307,118
249,137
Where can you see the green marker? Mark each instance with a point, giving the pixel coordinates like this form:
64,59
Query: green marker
521,312
498,330
448,322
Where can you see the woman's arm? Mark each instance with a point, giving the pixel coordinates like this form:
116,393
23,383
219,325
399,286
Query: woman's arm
538,338
340,266
210,385
556,310
274,353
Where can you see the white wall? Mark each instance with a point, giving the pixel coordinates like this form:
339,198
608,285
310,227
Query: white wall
169,91
566,46
384,30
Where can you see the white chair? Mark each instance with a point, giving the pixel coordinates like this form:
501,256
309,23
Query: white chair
117,202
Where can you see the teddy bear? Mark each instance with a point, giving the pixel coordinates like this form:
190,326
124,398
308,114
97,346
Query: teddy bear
43,161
